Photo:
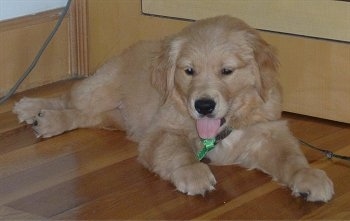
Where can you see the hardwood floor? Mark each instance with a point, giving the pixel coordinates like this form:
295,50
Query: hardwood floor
94,174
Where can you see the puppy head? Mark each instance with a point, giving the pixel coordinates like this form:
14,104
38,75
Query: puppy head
215,67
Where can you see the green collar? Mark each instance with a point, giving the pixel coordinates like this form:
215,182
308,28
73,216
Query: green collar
209,144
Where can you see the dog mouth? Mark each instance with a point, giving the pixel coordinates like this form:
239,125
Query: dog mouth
209,116
208,128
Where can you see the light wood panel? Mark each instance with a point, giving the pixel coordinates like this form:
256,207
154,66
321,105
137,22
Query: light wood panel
314,76
116,24
94,175
327,19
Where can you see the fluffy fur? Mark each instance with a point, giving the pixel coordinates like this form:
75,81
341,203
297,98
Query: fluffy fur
149,92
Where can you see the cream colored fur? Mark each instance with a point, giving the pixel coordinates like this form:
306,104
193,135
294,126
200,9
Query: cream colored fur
146,92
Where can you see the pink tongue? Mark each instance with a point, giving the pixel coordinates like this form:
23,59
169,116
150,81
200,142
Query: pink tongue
207,127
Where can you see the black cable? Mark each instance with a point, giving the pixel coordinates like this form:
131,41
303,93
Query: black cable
327,153
38,55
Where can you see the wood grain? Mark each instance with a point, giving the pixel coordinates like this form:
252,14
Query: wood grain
293,17
94,174
20,41
79,38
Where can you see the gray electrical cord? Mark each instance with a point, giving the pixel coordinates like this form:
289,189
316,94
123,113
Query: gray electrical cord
37,57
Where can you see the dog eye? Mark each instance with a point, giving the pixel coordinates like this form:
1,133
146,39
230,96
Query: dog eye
226,71
189,71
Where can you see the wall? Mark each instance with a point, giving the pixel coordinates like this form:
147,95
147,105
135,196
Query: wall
116,24
10,9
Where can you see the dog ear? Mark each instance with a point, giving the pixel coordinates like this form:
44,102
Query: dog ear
165,65
267,63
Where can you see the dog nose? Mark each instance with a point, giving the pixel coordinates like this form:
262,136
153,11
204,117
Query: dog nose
204,106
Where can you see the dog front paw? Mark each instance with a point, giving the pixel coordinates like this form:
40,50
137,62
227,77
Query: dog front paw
313,184
194,179
26,109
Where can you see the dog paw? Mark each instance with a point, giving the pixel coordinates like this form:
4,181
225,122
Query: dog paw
194,179
26,109
48,123
312,184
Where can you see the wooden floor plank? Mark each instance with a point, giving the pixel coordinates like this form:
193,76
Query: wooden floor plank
59,162
7,213
338,210
239,201
9,122
309,129
82,189
278,205
16,139
331,142
148,202
275,205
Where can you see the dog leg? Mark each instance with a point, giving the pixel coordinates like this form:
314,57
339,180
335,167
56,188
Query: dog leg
171,156
92,102
280,156
48,123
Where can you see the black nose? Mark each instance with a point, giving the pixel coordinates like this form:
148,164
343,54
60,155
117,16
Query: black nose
204,106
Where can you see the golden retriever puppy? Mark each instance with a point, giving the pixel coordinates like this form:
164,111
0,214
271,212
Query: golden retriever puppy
210,91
